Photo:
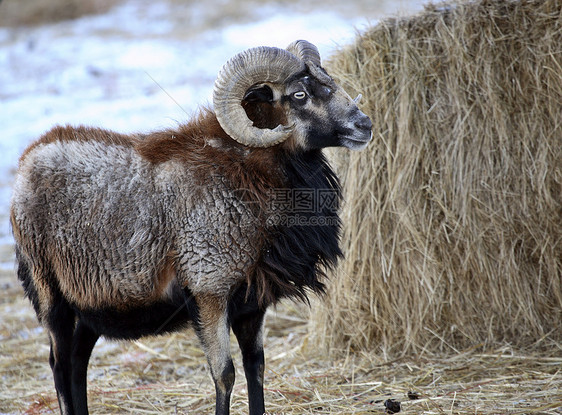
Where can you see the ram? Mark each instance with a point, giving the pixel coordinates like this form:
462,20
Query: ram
205,225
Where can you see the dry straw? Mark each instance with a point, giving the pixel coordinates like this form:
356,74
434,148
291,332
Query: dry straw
168,374
454,213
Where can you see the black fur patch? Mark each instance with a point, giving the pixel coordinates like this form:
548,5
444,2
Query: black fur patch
323,133
159,318
305,230
24,275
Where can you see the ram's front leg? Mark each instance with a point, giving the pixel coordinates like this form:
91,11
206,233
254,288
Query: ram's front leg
214,332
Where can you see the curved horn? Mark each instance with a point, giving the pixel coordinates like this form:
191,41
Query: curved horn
305,51
261,64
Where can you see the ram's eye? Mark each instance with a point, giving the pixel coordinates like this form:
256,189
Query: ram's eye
300,95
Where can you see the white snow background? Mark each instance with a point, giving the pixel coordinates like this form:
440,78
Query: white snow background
141,66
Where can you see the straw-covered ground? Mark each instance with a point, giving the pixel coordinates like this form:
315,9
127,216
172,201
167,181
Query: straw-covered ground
168,374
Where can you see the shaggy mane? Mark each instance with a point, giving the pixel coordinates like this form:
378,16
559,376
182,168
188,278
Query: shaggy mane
305,244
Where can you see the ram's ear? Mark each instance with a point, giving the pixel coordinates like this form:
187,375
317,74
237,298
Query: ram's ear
261,106
259,93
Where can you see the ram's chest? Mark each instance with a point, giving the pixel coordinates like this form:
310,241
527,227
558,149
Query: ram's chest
218,242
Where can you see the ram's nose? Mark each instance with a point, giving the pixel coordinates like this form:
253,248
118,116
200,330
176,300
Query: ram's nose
363,123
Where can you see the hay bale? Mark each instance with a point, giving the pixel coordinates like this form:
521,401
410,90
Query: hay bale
454,213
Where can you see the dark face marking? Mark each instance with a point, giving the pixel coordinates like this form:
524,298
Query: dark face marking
323,113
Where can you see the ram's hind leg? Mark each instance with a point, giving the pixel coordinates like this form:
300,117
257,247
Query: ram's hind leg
60,324
214,332
83,343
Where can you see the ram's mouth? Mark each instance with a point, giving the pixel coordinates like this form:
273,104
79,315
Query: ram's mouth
356,141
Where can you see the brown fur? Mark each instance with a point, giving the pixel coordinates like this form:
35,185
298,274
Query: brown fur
215,336
264,114
205,147
80,133
211,307
166,275
203,144
16,231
